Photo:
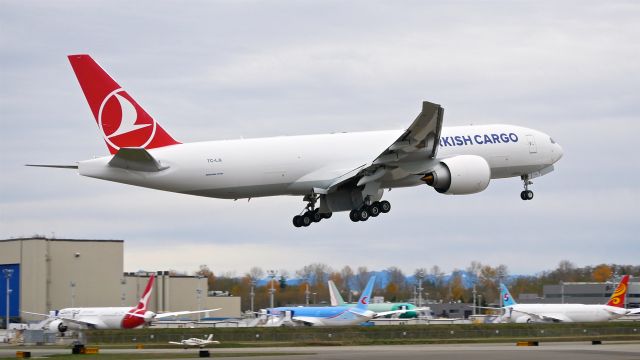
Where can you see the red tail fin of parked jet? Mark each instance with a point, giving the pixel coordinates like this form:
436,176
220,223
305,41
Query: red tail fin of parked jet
121,120
617,298
144,300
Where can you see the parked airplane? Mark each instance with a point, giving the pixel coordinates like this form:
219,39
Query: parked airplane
109,317
201,343
333,172
333,315
526,313
411,310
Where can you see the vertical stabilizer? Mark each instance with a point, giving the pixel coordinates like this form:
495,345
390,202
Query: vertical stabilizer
122,121
334,295
618,296
365,297
507,299
144,300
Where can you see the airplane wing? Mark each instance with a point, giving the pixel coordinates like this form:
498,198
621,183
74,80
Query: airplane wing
175,343
422,135
138,159
76,321
178,313
555,317
633,311
308,320
392,312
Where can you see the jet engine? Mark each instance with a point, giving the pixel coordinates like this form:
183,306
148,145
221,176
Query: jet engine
58,325
524,320
459,175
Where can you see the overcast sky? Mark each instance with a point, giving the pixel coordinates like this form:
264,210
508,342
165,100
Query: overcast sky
230,69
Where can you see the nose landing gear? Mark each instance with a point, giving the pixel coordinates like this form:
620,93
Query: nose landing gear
526,194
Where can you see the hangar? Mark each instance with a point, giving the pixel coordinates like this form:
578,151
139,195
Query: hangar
48,274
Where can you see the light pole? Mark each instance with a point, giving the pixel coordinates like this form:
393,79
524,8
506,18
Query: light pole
306,294
199,295
474,298
420,275
562,292
252,293
272,290
7,275
315,301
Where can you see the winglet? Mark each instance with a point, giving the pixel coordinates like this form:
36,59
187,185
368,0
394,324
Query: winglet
507,299
618,296
334,294
365,298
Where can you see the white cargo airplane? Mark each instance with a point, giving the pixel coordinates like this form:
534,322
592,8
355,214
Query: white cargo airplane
526,313
201,343
333,172
109,317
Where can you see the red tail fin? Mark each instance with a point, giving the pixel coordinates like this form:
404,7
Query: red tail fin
121,120
144,300
617,298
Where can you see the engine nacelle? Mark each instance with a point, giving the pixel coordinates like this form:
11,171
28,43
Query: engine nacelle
58,325
459,175
524,319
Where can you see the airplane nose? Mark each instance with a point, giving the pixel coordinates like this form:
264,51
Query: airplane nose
558,152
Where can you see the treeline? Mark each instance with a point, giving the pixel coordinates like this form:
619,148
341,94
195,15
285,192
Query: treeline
394,285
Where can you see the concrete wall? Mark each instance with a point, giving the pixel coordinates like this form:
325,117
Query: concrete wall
48,266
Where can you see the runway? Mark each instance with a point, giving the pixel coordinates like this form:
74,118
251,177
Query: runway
506,351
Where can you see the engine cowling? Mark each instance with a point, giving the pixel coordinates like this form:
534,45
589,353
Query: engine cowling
459,175
58,325
524,319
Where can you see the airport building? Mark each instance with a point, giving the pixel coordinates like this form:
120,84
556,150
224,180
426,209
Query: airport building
49,274
583,293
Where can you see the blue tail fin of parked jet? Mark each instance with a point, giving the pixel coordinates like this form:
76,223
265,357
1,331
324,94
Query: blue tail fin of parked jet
365,297
507,300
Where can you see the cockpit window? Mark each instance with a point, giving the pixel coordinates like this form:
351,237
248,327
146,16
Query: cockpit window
553,142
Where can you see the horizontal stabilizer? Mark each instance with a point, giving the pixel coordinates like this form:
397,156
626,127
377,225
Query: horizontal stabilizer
54,166
137,159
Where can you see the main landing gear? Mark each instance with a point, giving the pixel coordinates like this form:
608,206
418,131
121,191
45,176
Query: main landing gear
366,211
310,214
526,194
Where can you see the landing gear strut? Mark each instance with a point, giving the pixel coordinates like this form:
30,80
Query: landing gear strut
310,214
526,194
365,212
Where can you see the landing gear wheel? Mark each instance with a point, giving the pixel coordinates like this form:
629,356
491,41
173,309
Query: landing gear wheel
374,209
315,215
353,215
305,220
327,215
523,195
385,206
297,221
528,194
363,214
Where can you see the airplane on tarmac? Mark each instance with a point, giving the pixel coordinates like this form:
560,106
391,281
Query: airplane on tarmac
526,313
333,315
411,310
109,317
193,342
332,172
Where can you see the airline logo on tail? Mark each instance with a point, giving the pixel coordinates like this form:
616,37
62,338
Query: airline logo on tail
617,298
122,121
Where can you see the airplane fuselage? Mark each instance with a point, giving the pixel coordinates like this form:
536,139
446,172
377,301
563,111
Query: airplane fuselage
295,165
564,312
102,317
323,316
